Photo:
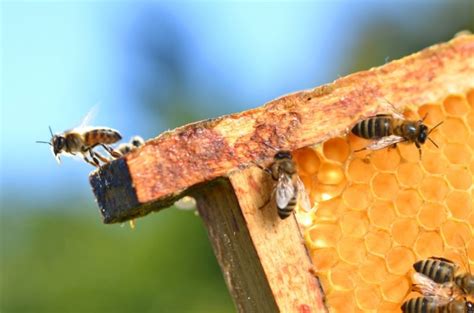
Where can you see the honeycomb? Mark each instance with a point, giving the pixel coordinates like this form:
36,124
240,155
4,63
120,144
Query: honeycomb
378,212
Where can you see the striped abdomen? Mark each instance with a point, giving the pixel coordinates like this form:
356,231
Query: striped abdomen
374,127
439,270
430,305
286,211
101,136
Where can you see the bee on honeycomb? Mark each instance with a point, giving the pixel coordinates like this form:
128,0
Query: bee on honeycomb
379,212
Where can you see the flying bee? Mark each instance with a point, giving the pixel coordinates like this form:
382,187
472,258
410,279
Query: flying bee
387,130
442,290
289,189
134,143
82,140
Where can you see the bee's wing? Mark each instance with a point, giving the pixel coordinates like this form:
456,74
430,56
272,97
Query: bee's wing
86,120
285,191
384,142
303,199
428,288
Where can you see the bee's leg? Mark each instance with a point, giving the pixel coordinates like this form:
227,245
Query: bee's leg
98,156
93,156
419,148
111,151
265,169
361,149
95,163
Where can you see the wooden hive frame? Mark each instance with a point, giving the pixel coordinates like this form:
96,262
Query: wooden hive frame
264,260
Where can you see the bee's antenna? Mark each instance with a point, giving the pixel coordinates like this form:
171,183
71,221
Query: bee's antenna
50,131
433,142
424,117
47,142
435,127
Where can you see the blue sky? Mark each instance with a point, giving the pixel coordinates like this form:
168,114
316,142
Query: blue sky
59,59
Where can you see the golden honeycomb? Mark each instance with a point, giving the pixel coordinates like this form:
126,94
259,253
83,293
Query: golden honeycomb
378,212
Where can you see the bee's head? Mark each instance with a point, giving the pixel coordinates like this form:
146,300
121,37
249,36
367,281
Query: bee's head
58,143
281,155
422,134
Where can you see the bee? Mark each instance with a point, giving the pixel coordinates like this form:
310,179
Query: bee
388,130
443,271
289,189
433,305
442,290
82,140
134,143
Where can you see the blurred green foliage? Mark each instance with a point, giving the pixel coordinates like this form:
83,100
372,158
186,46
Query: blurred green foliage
73,263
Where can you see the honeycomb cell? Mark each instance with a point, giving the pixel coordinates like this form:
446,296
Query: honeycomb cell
470,120
329,210
356,196
360,171
456,153
342,276
460,178
431,216
433,113
336,149
354,224
458,256
341,301
378,242
455,234
330,174
408,152
351,250
324,235
385,159
404,231
382,214
322,192
470,250
399,260
307,181
434,163
368,297
324,258
409,174
372,270
459,204
395,290
456,105
428,244
433,189
454,130
307,160
408,202
385,186
470,98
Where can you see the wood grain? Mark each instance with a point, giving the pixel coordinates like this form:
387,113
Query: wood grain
177,160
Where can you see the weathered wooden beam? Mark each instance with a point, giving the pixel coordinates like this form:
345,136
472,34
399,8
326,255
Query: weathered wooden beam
263,258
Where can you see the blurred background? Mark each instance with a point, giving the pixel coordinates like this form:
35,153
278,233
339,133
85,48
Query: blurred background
149,67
